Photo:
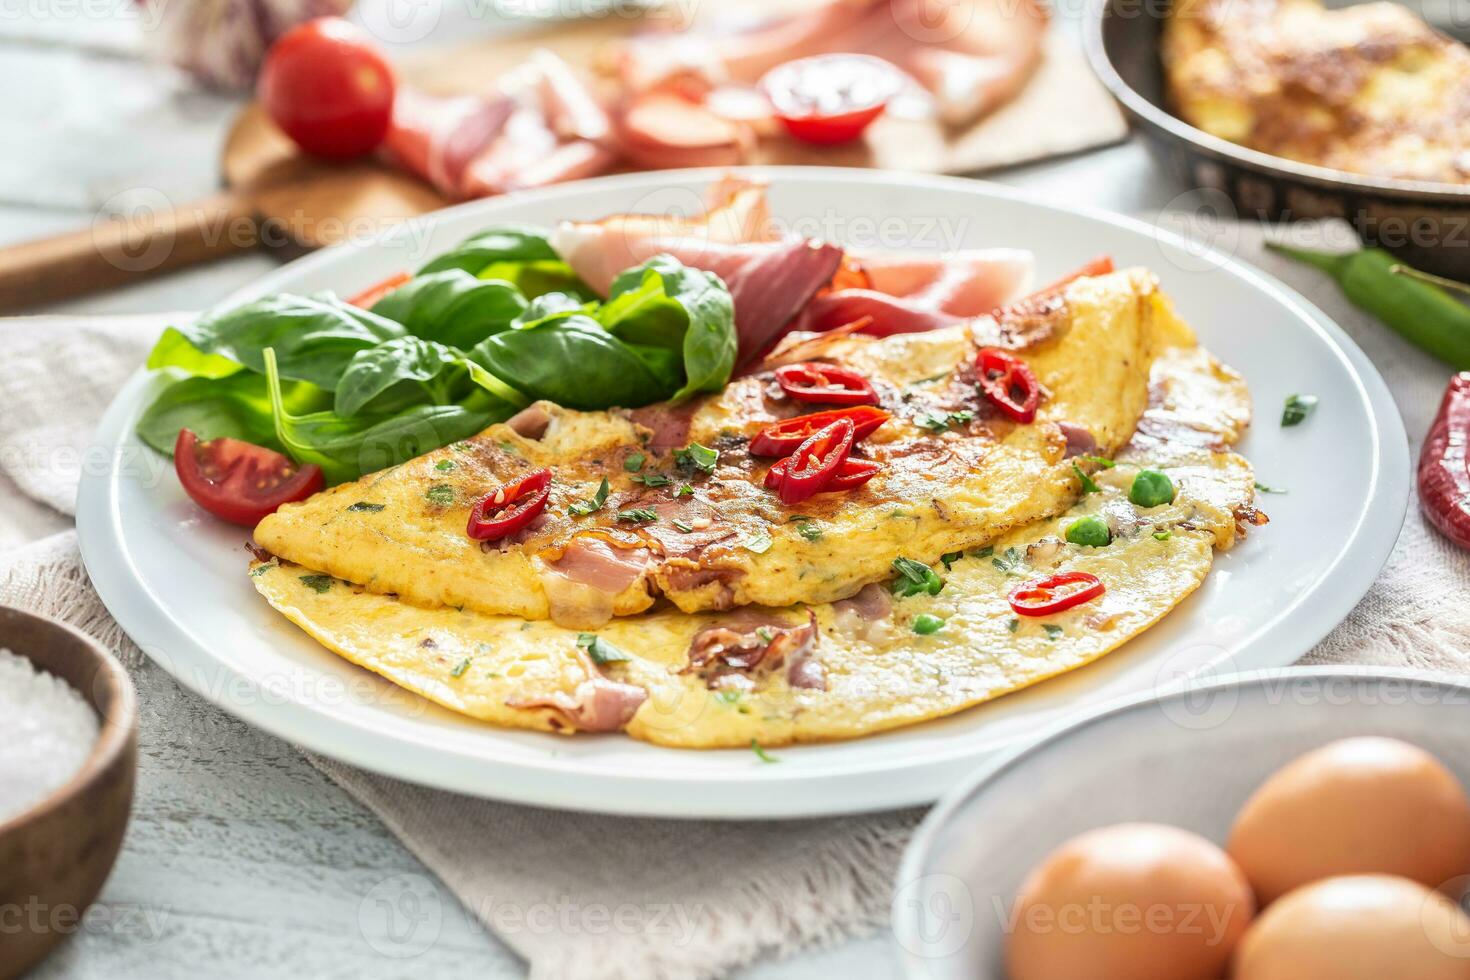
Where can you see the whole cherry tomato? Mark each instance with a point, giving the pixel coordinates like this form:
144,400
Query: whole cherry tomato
327,86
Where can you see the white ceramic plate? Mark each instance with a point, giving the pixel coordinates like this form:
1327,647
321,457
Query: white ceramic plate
175,580
1189,758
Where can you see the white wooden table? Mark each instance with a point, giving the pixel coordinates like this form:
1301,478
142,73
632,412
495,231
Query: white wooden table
242,860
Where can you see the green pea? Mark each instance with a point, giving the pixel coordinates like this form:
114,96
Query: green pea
1091,531
924,624
1151,488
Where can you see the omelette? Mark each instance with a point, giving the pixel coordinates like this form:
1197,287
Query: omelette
888,656
1369,88
669,502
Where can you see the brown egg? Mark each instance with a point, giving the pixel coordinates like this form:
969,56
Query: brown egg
1129,902
1358,806
1357,927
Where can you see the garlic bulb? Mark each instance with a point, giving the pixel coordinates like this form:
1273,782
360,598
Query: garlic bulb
222,42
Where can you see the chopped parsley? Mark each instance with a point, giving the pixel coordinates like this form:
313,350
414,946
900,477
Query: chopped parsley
319,584
697,457
444,465
949,558
260,570
940,422
601,651
1088,484
1013,624
637,514
1265,489
363,507
1010,562
684,491
765,634
441,494
1297,408
653,479
1102,461
729,695
460,668
460,447
915,578
634,462
925,624
758,542
683,528
809,529
984,552
1052,631
1163,535
582,508
761,753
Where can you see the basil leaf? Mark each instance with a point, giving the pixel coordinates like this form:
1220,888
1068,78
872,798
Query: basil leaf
915,578
314,337
574,362
508,243
174,350
665,304
416,370
453,307
238,406
346,448
551,306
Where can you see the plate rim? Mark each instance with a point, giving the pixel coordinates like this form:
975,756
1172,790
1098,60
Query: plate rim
536,783
905,929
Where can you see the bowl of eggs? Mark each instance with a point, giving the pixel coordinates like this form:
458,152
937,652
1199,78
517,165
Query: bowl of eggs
1305,824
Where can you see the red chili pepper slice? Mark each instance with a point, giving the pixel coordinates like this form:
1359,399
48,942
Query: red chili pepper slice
815,462
510,508
377,291
782,438
1056,594
813,382
1444,464
1008,382
852,474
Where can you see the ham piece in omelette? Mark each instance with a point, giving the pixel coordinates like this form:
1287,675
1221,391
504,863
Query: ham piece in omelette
699,528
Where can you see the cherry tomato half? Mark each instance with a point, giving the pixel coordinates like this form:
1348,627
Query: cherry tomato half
830,98
815,462
328,87
238,481
814,382
852,474
1056,594
782,438
1008,382
505,511
378,290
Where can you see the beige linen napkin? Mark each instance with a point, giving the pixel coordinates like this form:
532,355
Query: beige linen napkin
705,897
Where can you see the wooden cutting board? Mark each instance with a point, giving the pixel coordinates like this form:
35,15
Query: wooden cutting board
1063,109
275,196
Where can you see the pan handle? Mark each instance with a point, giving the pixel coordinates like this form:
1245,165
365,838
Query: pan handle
126,249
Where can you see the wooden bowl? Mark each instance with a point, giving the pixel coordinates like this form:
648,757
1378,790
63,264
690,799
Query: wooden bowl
1426,224
55,856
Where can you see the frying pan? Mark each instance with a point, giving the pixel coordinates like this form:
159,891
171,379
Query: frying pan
1425,223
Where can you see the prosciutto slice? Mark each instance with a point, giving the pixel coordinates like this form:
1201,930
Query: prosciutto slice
598,704
769,280
908,294
971,56
542,127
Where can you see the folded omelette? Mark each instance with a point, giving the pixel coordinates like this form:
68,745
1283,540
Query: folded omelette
807,640
685,516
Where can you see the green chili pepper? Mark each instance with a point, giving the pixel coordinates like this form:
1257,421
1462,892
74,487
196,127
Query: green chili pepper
1414,304
1151,488
1091,531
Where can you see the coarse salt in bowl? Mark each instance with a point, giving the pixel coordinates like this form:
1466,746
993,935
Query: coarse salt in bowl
47,731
